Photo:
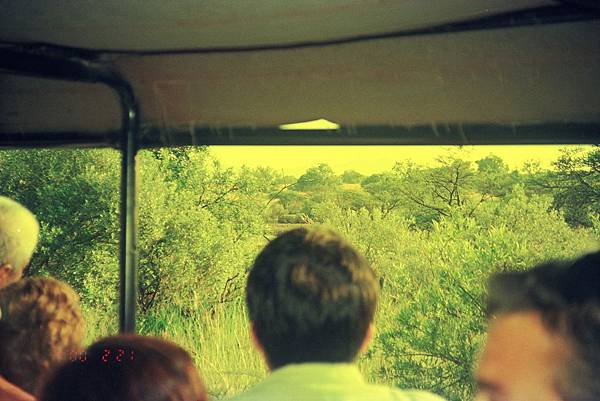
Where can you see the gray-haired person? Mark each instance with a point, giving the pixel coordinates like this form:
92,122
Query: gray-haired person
544,334
19,230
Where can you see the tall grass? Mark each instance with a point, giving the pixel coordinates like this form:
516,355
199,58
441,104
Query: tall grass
99,323
219,342
431,319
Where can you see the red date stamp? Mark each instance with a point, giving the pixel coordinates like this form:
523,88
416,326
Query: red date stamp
118,355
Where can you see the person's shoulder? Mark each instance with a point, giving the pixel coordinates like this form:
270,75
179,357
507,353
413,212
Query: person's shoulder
255,393
361,392
419,395
396,394
416,395
249,396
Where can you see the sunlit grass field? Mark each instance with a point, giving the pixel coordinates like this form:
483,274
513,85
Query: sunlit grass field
219,342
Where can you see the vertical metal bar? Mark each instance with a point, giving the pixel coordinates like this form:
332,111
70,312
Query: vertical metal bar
128,243
54,62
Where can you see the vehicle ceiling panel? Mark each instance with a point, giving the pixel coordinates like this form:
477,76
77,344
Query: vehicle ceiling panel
542,73
539,73
160,24
34,105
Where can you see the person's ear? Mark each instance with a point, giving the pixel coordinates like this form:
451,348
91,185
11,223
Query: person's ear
257,344
368,337
6,273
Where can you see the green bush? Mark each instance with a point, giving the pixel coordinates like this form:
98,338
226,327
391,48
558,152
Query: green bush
431,318
200,226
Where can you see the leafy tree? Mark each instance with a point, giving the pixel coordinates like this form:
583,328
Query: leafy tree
493,178
209,238
351,177
576,185
450,182
318,178
492,164
262,180
426,193
431,320
75,195
285,179
282,198
433,235
354,199
292,201
387,189
199,224
453,186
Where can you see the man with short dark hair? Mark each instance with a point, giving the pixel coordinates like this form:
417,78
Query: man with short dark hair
311,299
544,334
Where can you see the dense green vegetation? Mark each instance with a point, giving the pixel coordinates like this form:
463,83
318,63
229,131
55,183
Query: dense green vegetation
433,234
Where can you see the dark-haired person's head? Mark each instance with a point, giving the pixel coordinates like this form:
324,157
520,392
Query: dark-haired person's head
127,367
544,334
311,297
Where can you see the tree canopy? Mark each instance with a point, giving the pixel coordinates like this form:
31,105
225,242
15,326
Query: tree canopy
433,234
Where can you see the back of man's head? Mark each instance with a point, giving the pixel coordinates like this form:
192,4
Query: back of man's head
19,231
311,298
566,296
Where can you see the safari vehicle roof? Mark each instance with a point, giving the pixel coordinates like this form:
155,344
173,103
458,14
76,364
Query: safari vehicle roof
387,71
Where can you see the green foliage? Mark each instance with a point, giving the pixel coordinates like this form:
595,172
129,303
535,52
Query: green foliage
576,185
431,315
354,199
292,201
450,182
351,177
427,193
298,218
75,195
433,234
198,231
318,178
493,178
492,164
198,223
387,188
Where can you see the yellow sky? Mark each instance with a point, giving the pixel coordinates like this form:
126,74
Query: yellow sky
295,160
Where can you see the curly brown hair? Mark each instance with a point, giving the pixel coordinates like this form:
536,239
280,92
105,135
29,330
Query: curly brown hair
41,325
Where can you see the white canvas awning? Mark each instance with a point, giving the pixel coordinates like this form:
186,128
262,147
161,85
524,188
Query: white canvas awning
190,65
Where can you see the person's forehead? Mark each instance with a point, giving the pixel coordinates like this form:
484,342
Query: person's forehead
520,348
522,329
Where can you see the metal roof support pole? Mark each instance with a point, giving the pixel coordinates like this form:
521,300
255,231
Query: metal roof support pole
53,62
128,215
